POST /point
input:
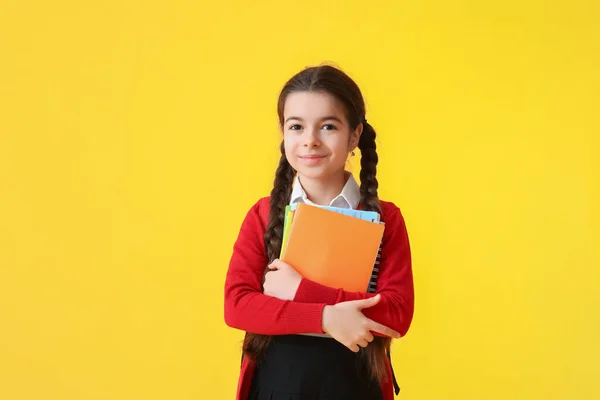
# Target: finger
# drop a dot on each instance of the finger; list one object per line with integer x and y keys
{"x": 354, "y": 348}
{"x": 384, "y": 330}
{"x": 370, "y": 302}
{"x": 276, "y": 264}
{"x": 369, "y": 337}
{"x": 363, "y": 343}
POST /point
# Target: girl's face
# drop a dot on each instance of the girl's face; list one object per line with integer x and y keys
{"x": 317, "y": 136}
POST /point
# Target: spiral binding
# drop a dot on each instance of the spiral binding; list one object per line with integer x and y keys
{"x": 372, "y": 288}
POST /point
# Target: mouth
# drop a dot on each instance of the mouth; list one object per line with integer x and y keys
{"x": 312, "y": 159}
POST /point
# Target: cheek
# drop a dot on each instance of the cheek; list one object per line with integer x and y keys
{"x": 341, "y": 148}
{"x": 292, "y": 141}
{"x": 288, "y": 146}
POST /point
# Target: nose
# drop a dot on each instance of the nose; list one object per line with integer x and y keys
{"x": 311, "y": 137}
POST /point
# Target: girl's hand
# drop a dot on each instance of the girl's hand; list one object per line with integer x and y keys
{"x": 281, "y": 281}
{"x": 346, "y": 323}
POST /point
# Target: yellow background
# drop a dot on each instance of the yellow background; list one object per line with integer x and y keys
{"x": 134, "y": 136}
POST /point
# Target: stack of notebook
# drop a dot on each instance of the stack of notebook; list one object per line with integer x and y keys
{"x": 336, "y": 247}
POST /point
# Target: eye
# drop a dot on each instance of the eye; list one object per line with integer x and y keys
{"x": 329, "y": 127}
{"x": 295, "y": 127}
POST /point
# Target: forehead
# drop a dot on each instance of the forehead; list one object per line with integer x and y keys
{"x": 312, "y": 105}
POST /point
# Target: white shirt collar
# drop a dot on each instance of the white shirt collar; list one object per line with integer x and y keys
{"x": 348, "y": 198}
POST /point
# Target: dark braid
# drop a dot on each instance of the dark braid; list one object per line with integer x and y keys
{"x": 368, "y": 169}
{"x": 255, "y": 344}
{"x": 280, "y": 197}
{"x": 377, "y": 350}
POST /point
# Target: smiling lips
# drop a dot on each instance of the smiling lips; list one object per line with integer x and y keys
{"x": 312, "y": 159}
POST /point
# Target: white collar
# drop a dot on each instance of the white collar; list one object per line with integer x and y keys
{"x": 348, "y": 198}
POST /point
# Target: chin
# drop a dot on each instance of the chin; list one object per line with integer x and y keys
{"x": 313, "y": 173}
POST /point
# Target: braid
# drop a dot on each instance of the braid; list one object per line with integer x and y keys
{"x": 375, "y": 353}
{"x": 282, "y": 189}
{"x": 255, "y": 344}
{"x": 368, "y": 170}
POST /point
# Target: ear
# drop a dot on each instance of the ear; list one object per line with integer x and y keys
{"x": 355, "y": 136}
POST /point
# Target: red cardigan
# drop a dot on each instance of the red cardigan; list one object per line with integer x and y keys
{"x": 248, "y": 309}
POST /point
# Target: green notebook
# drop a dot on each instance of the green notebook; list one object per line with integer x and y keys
{"x": 287, "y": 223}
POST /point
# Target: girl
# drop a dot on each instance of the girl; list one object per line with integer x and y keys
{"x": 322, "y": 117}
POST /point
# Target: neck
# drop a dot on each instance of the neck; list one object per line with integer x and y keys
{"x": 323, "y": 191}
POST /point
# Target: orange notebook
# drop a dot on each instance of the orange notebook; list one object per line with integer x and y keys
{"x": 333, "y": 249}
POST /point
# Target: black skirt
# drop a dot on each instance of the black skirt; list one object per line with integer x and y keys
{"x": 312, "y": 368}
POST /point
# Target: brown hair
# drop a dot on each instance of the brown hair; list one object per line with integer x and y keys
{"x": 333, "y": 81}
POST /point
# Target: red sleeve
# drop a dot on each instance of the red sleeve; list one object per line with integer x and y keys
{"x": 395, "y": 283}
{"x": 246, "y": 307}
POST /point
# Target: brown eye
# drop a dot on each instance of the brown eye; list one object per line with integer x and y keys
{"x": 295, "y": 127}
{"x": 329, "y": 127}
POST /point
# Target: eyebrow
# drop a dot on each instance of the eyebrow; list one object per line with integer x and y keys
{"x": 327, "y": 118}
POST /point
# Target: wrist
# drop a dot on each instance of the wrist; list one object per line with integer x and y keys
{"x": 325, "y": 318}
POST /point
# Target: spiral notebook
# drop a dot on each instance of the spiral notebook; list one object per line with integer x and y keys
{"x": 333, "y": 248}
